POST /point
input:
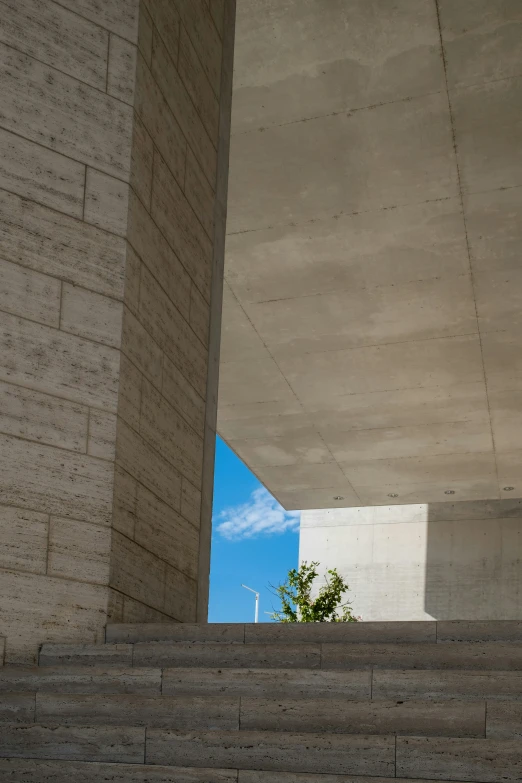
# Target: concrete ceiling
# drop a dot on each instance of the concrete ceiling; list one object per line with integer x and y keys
{"x": 373, "y": 304}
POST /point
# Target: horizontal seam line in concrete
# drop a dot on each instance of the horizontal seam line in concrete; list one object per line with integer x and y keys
{"x": 348, "y": 463}
{"x": 68, "y": 75}
{"x": 484, "y": 82}
{"x": 347, "y": 111}
{"x": 466, "y": 192}
{"x": 381, "y": 345}
{"x": 353, "y": 110}
{"x": 339, "y": 215}
{"x": 340, "y": 396}
{"x": 403, "y": 522}
{"x": 363, "y": 429}
{"x": 352, "y": 290}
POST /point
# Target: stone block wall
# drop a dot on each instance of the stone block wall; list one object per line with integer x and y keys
{"x": 114, "y": 132}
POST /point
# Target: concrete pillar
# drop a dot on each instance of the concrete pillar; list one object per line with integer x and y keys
{"x": 114, "y": 127}
{"x": 442, "y": 561}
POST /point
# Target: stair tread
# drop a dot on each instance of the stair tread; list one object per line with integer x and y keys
{"x": 62, "y": 771}
{"x": 253, "y": 704}
{"x": 371, "y": 632}
{"x": 442, "y": 758}
{"x": 380, "y": 684}
{"x": 472, "y": 655}
{"x": 81, "y": 679}
{"x": 444, "y": 718}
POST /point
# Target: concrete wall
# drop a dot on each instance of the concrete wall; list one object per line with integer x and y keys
{"x": 114, "y": 132}
{"x": 443, "y": 561}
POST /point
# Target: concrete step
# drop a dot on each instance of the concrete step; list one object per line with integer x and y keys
{"x": 274, "y": 633}
{"x": 119, "y": 744}
{"x": 291, "y": 633}
{"x": 80, "y": 679}
{"x": 46, "y": 754}
{"x": 164, "y": 654}
{"x": 431, "y": 758}
{"x": 353, "y": 684}
{"x": 285, "y": 751}
{"x": 450, "y": 718}
{"x": 293, "y": 683}
{"x": 486, "y": 656}
{"x": 38, "y": 771}
{"x": 336, "y": 715}
{"x": 440, "y": 684}
{"x": 35, "y": 771}
{"x": 181, "y": 712}
{"x": 435, "y": 758}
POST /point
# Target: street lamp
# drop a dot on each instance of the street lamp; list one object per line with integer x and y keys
{"x": 256, "y": 620}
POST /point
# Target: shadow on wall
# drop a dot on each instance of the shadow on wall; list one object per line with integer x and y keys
{"x": 474, "y": 560}
{"x": 443, "y": 561}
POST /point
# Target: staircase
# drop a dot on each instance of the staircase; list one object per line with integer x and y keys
{"x": 265, "y": 703}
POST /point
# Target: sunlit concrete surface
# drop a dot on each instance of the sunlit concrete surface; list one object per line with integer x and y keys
{"x": 442, "y": 561}
{"x": 372, "y": 318}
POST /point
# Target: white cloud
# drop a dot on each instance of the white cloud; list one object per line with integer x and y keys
{"x": 261, "y": 516}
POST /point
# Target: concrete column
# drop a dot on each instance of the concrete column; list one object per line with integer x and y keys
{"x": 114, "y": 126}
{"x": 442, "y": 561}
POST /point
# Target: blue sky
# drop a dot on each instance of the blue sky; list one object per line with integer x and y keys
{"x": 254, "y": 541}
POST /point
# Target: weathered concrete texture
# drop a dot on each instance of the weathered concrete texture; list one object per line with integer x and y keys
{"x": 274, "y": 751}
{"x": 112, "y": 204}
{"x": 445, "y": 561}
{"x": 274, "y": 683}
{"x": 372, "y": 310}
{"x": 183, "y": 712}
{"x": 32, "y": 771}
{"x": 109, "y": 679}
{"x": 396, "y": 684}
{"x": 332, "y": 715}
{"x": 491, "y": 761}
{"x": 81, "y": 743}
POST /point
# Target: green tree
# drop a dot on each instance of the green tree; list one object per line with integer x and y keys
{"x": 298, "y": 606}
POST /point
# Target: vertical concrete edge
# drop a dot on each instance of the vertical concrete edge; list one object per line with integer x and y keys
{"x": 218, "y": 264}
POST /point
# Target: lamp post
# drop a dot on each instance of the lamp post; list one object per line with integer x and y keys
{"x": 256, "y": 620}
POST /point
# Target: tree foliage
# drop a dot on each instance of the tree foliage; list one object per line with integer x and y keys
{"x": 298, "y": 606}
